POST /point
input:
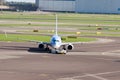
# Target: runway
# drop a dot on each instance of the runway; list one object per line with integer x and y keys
{"x": 92, "y": 61}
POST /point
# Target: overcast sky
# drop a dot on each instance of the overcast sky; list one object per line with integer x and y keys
{"x": 33, "y": 1}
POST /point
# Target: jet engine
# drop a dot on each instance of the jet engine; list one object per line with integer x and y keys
{"x": 70, "y": 47}
{"x": 41, "y": 46}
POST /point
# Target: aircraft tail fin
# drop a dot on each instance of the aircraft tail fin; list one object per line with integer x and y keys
{"x": 56, "y": 29}
{"x": 5, "y": 34}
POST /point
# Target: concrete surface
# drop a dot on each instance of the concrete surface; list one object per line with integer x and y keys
{"x": 94, "y": 61}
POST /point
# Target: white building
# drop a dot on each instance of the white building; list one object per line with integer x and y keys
{"x": 85, "y": 6}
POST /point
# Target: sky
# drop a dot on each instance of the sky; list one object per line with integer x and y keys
{"x": 33, "y": 1}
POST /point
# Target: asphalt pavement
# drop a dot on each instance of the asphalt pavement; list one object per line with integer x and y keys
{"x": 91, "y": 61}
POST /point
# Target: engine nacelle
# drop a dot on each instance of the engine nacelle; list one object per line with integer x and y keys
{"x": 41, "y": 46}
{"x": 70, "y": 47}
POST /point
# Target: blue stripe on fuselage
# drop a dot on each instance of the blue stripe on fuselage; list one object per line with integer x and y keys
{"x": 56, "y": 41}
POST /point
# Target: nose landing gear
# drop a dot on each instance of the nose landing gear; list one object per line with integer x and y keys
{"x": 58, "y": 51}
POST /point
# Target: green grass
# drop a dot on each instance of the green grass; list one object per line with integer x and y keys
{"x": 114, "y": 33}
{"x": 102, "y": 34}
{"x": 85, "y": 23}
{"x": 64, "y": 18}
{"x": 19, "y": 38}
{"x": 16, "y": 37}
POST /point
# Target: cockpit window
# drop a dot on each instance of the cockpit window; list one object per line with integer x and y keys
{"x": 56, "y": 40}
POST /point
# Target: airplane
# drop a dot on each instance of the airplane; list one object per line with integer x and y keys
{"x": 55, "y": 45}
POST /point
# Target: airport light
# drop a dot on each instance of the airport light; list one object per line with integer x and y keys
{"x": 78, "y": 33}
{"x": 98, "y": 33}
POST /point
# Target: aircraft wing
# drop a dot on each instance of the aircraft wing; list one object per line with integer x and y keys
{"x": 71, "y": 43}
{"x": 40, "y": 42}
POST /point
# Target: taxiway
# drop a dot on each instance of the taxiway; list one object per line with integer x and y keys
{"x": 92, "y": 61}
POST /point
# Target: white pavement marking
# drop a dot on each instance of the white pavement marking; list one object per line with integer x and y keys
{"x": 107, "y": 73}
{"x": 8, "y": 57}
{"x": 112, "y": 53}
{"x": 89, "y": 75}
{"x": 115, "y": 53}
{"x": 105, "y": 59}
{"x": 84, "y": 53}
{"x": 97, "y": 76}
{"x": 86, "y": 75}
{"x": 79, "y": 76}
{"x": 68, "y": 79}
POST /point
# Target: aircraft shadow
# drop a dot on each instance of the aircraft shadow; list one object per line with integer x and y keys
{"x": 13, "y": 48}
{"x": 31, "y": 49}
{"x": 21, "y": 48}
{"x": 37, "y": 50}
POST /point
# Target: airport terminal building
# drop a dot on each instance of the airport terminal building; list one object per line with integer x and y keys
{"x": 82, "y": 6}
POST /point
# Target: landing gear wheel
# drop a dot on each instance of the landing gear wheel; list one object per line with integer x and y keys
{"x": 47, "y": 49}
{"x": 56, "y": 52}
{"x": 50, "y": 51}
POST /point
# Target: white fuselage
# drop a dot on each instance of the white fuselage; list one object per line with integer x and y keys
{"x": 56, "y": 41}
